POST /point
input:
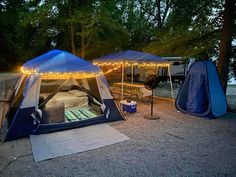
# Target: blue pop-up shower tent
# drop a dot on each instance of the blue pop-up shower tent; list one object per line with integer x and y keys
{"x": 59, "y": 91}
{"x": 201, "y": 93}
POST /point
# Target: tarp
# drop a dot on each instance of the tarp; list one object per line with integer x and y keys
{"x": 47, "y": 146}
{"x": 60, "y": 61}
{"x": 129, "y": 56}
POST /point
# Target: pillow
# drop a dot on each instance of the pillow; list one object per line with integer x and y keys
{"x": 51, "y": 103}
{"x": 56, "y": 113}
{"x": 77, "y": 93}
{"x": 65, "y": 88}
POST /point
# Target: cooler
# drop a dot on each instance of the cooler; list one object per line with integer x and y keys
{"x": 128, "y": 106}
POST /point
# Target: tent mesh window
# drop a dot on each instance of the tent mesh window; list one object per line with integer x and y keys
{"x": 68, "y": 101}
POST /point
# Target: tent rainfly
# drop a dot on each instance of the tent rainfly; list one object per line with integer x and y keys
{"x": 59, "y": 91}
{"x": 132, "y": 58}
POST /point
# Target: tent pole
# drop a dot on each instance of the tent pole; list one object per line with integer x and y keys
{"x": 132, "y": 74}
{"x": 122, "y": 86}
{"x": 157, "y": 71}
{"x": 171, "y": 86}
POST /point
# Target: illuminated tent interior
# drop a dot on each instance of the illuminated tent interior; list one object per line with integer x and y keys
{"x": 131, "y": 58}
{"x": 59, "y": 91}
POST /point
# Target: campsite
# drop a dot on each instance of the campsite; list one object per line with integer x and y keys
{"x": 176, "y": 144}
{"x": 118, "y": 88}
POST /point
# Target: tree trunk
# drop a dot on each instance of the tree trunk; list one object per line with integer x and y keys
{"x": 72, "y": 39}
{"x": 225, "y": 43}
{"x": 158, "y": 3}
{"x": 82, "y": 53}
{"x": 72, "y": 31}
{"x": 165, "y": 12}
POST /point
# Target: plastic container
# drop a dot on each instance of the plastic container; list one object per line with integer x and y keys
{"x": 128, "y": 106}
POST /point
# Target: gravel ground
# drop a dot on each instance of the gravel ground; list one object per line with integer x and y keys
{"x": 165, "y": 91}
{"x": 175, "y": 145}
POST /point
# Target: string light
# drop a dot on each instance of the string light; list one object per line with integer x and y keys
{"x": 111, "y": 70}
{"x": 68, "y": 75}
{"x": 25, "y": 71}
{"x": 116, "y": 64}
{"x": 57, "y": 75}
{"x": 78, "y": 75}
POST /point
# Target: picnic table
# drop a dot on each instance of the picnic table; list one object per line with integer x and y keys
{"x": 117, "y": 94}
{"x": 133, "y": 89}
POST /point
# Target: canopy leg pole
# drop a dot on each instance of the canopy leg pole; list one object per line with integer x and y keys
{"x": 171, "y": 86}
{"x": 122, "y": 86}
{"x": 132, "y": 74}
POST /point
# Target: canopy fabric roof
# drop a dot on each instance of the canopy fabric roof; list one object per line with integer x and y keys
{"x": 130, "y": 56}
{"x": 58, "y": 61}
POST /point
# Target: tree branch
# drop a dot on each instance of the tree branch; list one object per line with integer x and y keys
{"x": 146, "y": 11}
{"x": 165, "y": 12}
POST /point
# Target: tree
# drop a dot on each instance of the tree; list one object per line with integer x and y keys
{"x": 103, "y": 31}
{"x": 226, "y": 39}
{"x": 191, "y": 30}
{"x": 10, "y": 15}
{"x": 91, "y": 28}
{"x": 157, "y": 11}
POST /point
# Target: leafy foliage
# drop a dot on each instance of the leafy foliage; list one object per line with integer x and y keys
{"x": 192, "y": 30}
{"x": 96, "y": 27}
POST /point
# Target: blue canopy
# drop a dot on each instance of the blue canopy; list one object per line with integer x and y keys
{"x": 60, "y": 61}
{"x": 129, "y": 56}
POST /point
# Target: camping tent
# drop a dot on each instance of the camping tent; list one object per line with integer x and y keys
{"x": 201, "y": 93}
{"x": 59, "y": 91}
{"x": 132, "y": 58}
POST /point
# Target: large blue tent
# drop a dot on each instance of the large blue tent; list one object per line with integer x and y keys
{"x": 76, "y": 90}
{"x": 59, "y": 61}
{"x": 201, "y": 93}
